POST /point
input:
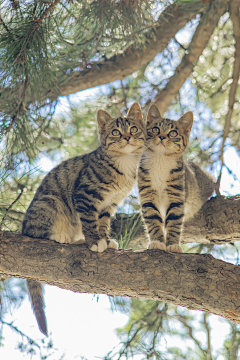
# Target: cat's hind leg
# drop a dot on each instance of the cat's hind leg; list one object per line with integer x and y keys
{"x": 154, "y": 225}
{"x": 173, "y": 226}
{"x": 62, "y": 231}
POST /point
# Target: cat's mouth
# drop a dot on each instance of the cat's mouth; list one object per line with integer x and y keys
{"x": 160, "y": 143}
{"x": 127, "y": 146}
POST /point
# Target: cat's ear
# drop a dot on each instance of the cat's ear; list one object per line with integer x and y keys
{"x": 135, "y": 112}
{"x": 102, "y": 118}
{"x": 153, "y": 114}
{"x": 186, "y": 122}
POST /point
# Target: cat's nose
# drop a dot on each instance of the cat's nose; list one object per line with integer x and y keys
{"x": 162, "y": 137}
{"x": 127, "y": 138}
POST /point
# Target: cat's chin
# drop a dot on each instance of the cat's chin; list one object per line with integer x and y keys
{"x": 160, "y": 149}
{"x": 127, "y": 149}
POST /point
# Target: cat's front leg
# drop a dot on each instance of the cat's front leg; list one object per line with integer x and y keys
{"x": 173, "y": 225}
{"x": 104, "y": 220}
{"x": 89, "y": 220}
{"x": 154, "y": 225}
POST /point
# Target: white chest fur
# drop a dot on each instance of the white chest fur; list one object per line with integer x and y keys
{"x": 127, "y": 165}
{"x": 159, "y": 167}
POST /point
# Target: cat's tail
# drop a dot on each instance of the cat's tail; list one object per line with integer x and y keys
{"x": 35, "y": 290}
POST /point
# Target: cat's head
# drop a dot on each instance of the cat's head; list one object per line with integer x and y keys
{"x": 166, "y": 136}
{"x": 122, "y": 135}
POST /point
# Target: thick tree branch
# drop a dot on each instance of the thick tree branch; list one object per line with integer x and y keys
{"x": 217, "y": 222}
{"x": 199, "y": 41}
{"x": 196, "y": 281}
{"x": 123, "y": 65}
{"x": 172, "y": 19}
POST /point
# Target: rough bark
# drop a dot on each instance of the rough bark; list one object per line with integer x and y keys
{"x": 172, "y": 19}
{"x": 218, "y": 222}
{"x": 196, "y": 281}
{"x": 199, "y": 41}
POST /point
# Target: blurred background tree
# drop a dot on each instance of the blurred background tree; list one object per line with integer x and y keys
{"x": 182, "y": 55}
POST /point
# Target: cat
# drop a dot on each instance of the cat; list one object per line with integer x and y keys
{"x": 76, "y": 200}
{"x": 171, "y": 190}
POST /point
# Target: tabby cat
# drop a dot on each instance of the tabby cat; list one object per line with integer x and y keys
{"x": 76, "y": 199}
{"x": 171, "y": 189}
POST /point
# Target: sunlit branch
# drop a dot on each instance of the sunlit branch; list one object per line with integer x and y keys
{"x": 234, "y": 15}
{"x": 190, "y": 280}
{"x": 120, "y": 66}
{"x": 213, "y": 224}
{"x": 199, "y": 41}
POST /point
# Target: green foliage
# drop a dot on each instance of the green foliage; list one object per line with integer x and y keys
{"x": 73, "y": 134}
{"x": 213, "y": 76}
{"x": 127, "y": 237}
{"x": 39, "y": 47}
{"x": 156, "y": 330}
{"x": 40, "y": 41}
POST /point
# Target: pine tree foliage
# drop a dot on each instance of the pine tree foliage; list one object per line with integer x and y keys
{"x": 47, "y": 45}
{"x": 40, "y": 39}
{"x": 155, "y": 330}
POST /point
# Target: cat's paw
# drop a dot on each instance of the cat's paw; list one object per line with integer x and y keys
{"x": 94, "y": 248}
{"x": 100, "y": 247}
{"x": 157, "y": 245}
{"x": 174, "y": 248}
{"x": 61, "y": 237}
{"x": 112, "y": 244}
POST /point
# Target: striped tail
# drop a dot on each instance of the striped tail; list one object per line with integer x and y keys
{"x": 36, "y": 295}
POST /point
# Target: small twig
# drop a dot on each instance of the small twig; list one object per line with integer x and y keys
{"x": 12, "y": 218}
{"x": 20, "y": 332}
{"x": 206, "y": 325}
{"x": 234, "y": 15}
{"x": 189, "y": 328}
{"x": 3, "y": 207}
{"x": 15, "y": 4}
{"x": 124, "y": 96}
{"x": 39, "y": 21}
{"x": 10, "y": 206}
{"x": 4, "y": 25}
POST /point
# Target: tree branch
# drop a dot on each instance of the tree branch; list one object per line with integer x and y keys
{"x": 216, "y": 223}
{"x": 195, "y": 281}
{"x": 234, "y": 14}
{"x": 123, "y": 65}
{"x": 199, "y": 41}
{"x": 119, "y": 66}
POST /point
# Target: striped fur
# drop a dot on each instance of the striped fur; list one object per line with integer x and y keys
{"x": 76, "y": 200}
{"x": 171, "y": 190}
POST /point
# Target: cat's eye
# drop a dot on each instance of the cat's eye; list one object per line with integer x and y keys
{"x": 173, "y": 133}
{"x": 155, "y": 130}
{"x": 133, "y": 129}
{"x": 116, "y": 132}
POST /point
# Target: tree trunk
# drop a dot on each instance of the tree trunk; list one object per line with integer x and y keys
{"x": 196, "y": 281}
